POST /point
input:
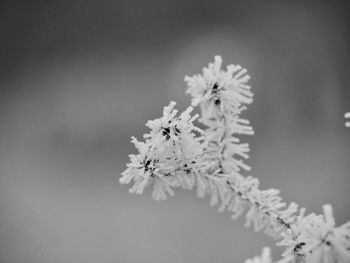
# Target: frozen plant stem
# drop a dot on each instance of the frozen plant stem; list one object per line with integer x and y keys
{"x": 176, "y": 153}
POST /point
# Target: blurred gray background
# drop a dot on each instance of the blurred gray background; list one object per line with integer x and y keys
{"x": 79, "y": 77}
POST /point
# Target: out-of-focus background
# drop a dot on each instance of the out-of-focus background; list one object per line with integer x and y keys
{"x": 79, "y": 77}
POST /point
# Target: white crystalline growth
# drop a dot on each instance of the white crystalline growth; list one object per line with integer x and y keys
{"x": 347, "y": 116}
{"x": 221, "y": 92}
{"x": 175, "y": 153}
{"x": 317, "y": 239}
{"x": 266, "y": 258}
{"x": 167, "y": 155}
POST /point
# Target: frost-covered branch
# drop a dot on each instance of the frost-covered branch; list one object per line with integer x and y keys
{"x": 222, "y": 96}
{"x": 176, "y": 153}
{"x": 317, "y": 239}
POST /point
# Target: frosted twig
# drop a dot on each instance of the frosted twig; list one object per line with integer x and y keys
{"x": 176, "y": 153}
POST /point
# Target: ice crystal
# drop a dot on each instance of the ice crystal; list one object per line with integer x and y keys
{"x": 165, "y": 158}
{"x": 317, "y": 239}
{"x": 266, "y": 258}
{"x": 221, "y": 93}
{"x": 347, "y": 116}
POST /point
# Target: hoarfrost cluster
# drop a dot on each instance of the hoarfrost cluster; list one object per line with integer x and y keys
{"x": 176, "y": 153}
